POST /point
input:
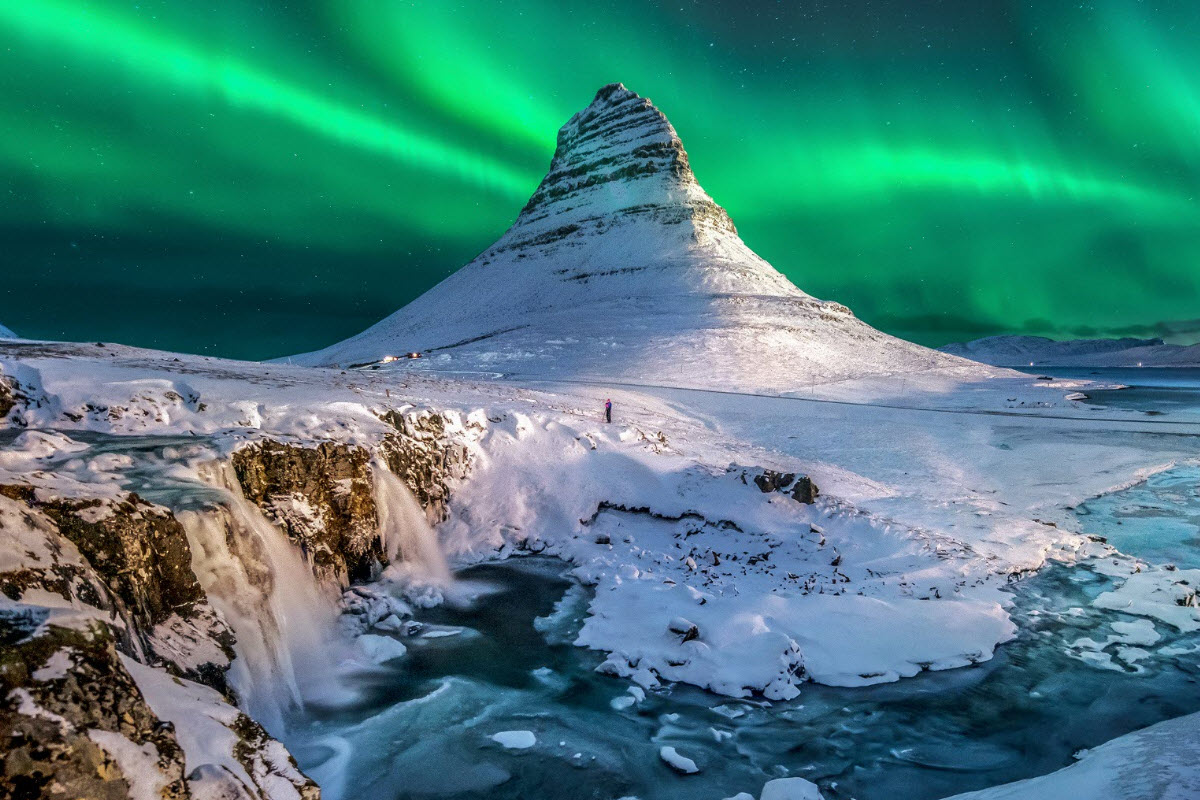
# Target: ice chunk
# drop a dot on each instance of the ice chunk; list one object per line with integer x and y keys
{"x": 514, "y": 740}
{"x": 390, "y": 623}
{"x": 1165, "y": 595}
{"x": 380, "y": 648}
{"x": 790, "y": 789}
{"x": 677, "y": 762}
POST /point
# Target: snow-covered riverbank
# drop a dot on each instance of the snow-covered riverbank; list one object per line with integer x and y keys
{"x": 703, "y": 565}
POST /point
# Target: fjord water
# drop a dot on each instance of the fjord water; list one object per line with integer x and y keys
{"x": 1153, "y": 391}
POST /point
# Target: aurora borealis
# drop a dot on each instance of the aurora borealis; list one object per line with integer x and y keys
{"x": 252, "y": 180}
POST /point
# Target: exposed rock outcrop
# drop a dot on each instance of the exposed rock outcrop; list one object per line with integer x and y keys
{"x": 803, "y": 488}
{"x": 7, "y": 397}
{"x": 423, "y": 457}
{"x": 133, "y": 561}
{"x": 321, "y": 496}
{"x": 12, "y": 396}
{"x": 75, "y": 724}
{"x": 772, "y": 481}
{"x": 98, "y": 588}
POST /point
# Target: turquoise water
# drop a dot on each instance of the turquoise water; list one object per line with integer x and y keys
{"x": 423, "y": 727}
{"x": 1158, "y": 520}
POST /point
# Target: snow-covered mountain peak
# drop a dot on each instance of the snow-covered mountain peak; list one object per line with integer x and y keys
{"x": 621, "y": 266}
{"x": 620, "y": 156}
{"x": 621, "y": 213}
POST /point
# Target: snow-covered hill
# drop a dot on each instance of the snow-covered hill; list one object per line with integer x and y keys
{"x": 7, "y": 333}
{"x": 1039, "y": 351}
{"x": 620, "y": 266}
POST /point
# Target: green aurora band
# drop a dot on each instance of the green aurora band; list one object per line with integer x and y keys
{"x": 252, "y": 181}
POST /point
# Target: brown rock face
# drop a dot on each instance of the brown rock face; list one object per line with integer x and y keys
{"x": 71, "y": 713}
{"x": 60, "y": 574}
{"x": 49, "y": 719}
{"x": 321, "y": 496}
{"x": 422, "y": 457}
{"x": 7, "y": 398}
{"x": 805, "y": 491}
{"x": 139, "y": 552}
{"x": 803, "y": 488}
{"x": 772, "y": 481}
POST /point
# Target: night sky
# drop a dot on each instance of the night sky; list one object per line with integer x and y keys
{"x": 254, "y": 179}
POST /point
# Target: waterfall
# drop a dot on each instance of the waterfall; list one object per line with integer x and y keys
{"x": 284, "y": 623}
{"x": 404, "y": 531}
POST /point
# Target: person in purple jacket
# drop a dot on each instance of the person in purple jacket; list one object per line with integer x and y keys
{"x": 608, "y": 410}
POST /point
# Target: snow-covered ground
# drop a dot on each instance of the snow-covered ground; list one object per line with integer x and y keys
{"x": 1017, "y": 351}
{"x": 930, "y": 502}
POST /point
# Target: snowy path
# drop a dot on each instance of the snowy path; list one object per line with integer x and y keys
{"x": 1187, "y": 427}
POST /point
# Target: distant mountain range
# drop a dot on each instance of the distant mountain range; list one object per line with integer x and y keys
{"x": 1015, "y": 351}
{"x": 621, "y": 266}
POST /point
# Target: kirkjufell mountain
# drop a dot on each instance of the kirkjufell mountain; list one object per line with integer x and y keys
{"x": 621, "y": 265}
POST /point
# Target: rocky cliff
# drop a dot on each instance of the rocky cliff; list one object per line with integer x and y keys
{"x": 107, "y": 636}
{"x": 322, "y": 494}
{"x": 74, "y": 722}
{"x": 93, "y": 588}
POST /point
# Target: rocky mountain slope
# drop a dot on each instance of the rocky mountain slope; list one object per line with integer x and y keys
{"x": 1039, "y": 351}
{"x": 621, "y": 266}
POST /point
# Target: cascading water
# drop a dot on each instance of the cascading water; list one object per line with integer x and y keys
{"x": 405, "y": 534}
{"x": 283, "y": 621}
